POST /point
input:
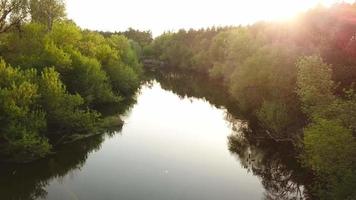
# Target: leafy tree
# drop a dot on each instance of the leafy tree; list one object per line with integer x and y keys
{"x": 143, "y": 38}
{"x": 47, "y": 11}
{"x": 328, "y": 141}
{"x": 61, "y": 74}
{"x": 34, "y": 106}
{"x": 259, "y": 65}
{"x": 64, "y": 113}
{"x": 22, "y": 121}
{"x": 274, "y": 115}
{"x": 87, "y": 78}
{"x": 330, "y": 151}
{"x": 315, "y": 87}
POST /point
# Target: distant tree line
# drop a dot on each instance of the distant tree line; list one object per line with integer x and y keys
{"x": 140, "y": 39}
{"x": 296, "y": 78}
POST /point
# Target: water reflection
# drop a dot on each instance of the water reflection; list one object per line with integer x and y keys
{"x": 169, "y": 152}
{"x": 275, "y": 163}
{"x": 187, "y": 85}
{"x": 30, "y": 180}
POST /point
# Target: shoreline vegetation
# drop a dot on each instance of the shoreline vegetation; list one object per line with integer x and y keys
{"x": 53, "y": 76}
{"x": 295, "y": 79}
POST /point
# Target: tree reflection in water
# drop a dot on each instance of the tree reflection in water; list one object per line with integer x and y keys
{"x": 275, "y": 163}
{"x": 28, "y": 181}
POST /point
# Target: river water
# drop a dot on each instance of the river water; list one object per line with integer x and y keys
{"x": 173, "y": 146}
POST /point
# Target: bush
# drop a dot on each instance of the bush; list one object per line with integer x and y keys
{"x": 34, "y": 105}
{"x": 22, "y": 121}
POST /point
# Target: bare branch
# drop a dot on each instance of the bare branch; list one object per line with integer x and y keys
{"x": 12, "y": 13}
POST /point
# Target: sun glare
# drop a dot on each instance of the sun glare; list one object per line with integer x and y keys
{"x": 163, "y": 15}
{"x": 284, "y": 10}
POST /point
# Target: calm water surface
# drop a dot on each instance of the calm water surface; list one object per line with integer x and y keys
{"x": 170, "y": 147}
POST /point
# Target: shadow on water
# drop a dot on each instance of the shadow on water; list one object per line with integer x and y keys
{"x": 275, "y": 163}
{"x": 28, "y": 181}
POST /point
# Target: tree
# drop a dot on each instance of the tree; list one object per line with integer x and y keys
{"x": 22, "y": 122}
{"x": 144, "y": 38}
{"x": 63, "y": 109}
{"x": 61, "y": 74}
{"x": 12, "y": 13}
{"x": 47, "y": 11}
{"x": 330, "y": 150}
{"x": 328, "y": 141}
{"x": 314, "y": 84}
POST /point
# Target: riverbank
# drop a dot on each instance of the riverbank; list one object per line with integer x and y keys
{"x": 107, "y": 124}
{"x": 182, "y": 133}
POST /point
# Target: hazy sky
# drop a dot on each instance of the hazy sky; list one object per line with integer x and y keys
{"x": 163, "y": 15}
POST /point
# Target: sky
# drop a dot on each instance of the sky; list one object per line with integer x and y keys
{"x": 171, "y": 15}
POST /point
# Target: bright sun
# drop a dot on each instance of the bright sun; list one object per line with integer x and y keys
{"x": 284, "y": 9}
{"x": 163, "y": 15}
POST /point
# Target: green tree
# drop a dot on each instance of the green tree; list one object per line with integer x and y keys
{"x": 143, "y": 38}
{"x": 47, "y": 11}
{"x": 315, "y": 86}
{"x": 330, "y": 151}
{"x": 22, "y": 120}
{"x": 329, "y": 142}
{"x": 64, "y": 113}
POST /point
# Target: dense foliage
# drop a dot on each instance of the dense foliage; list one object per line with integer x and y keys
{"x": 330, "y": 146}
{"x": 140, "y": 40}
{"x": 52, "y": 76}
{"x": 278, "y": 75}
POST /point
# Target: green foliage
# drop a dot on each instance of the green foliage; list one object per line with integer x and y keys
{"x": 29, "y": 147}
{"x": 63, "y": 113}
{"x": 315, "y": 87}
{"x": 34, "y": 106}
{"x": 268, "y": 71}
{"x": 117, "y": 58}
{"x": 159, "y": 45}
{"x": 229, "y": 50}
{"x": 330, "y": 150}
{"x": 88, "y": 79}
{"x": 143, "y": 38}
{"x": 47, "y": 11}
{"x": 275, "y": 116}
{"x": 329, "y": 146}
{"x": 259, "y": 65}
{"x": 329, "y": 142}
{"x": 21, "y": 120}
{"x": 65, "y": 35}
{"x": 26, "y": 49}
{"x": 85, "y": 60}
{"x": 122, "y": 78}
{"x": 26, "y": 101}
{"x": 60, "y": 72}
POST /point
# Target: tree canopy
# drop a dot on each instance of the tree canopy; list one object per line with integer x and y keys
{"x": 52, "y": 76}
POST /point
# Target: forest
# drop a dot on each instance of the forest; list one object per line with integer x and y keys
{"x": 295, "y": 78}
{"x": 54, "y": 75}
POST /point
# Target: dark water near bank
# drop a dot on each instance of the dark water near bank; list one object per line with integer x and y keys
{"x": 183, "y": 139}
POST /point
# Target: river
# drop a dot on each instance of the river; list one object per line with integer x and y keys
{"x": 174, "y": 145}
